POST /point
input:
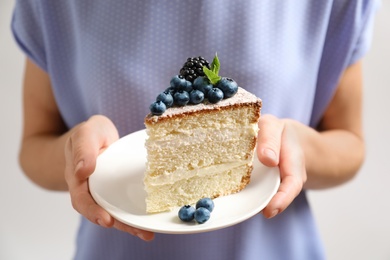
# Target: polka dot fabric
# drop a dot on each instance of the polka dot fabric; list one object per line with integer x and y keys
{"x": 114, "y": 58}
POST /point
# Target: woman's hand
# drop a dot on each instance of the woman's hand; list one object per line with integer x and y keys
{"x": 278, "y": 145}
{"x": 45, "y": 131}
{"x": 316, "y": 158}
{"x": 85, "y": 142}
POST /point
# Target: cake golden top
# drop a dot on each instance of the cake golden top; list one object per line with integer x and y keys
{"x": 240, "y": 99}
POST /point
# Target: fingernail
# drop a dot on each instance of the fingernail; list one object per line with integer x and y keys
{"x": 79, "y": 165}
{"x": 140, "y": 235}
{"x": 270, "y": 154}
{"x": 274, "y": 213}
{"x": 99, "y": 222}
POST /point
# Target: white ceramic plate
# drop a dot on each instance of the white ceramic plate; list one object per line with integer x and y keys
{"x": 117, "y": 186}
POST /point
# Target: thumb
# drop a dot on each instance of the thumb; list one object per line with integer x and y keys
{"x": 87, "y": 141}
{"x": 269, "y": 140}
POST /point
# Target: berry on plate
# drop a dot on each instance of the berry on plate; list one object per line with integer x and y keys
{"x": 186, "y": 213}
{"x": 202, "y": 215}
{"x": 205, "y": 203}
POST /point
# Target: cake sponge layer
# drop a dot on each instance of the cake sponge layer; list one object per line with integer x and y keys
{"x": 188, "y": 191}
{"x": 167, "y": 158}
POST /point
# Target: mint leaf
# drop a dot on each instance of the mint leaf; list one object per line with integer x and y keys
{"x": 211, "y": 75}
{"x": 215, "y": 65}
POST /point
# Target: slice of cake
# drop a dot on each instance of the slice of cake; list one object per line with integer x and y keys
{"x": 200, "y": 150}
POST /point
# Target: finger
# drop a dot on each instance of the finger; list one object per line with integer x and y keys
{"x": 81, "y": 151}
{"x": 81, "y": 199}
{"x": 88, "y": 141}
{"x": 288, "y": 190}
{"x": 292, "y": 173}
{"x": 85, "y": 148}
{"x": 142, "y": 234}
{"x": 269, "y": 140}
{"x": 83, "y": 203}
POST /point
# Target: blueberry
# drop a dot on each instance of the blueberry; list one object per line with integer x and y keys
{"x": 166, "y": 98}
{"x": 187, "y": 87}
{"x": 171, "y": 90}
{"x": 179, "y": 82}
{"x": 181, "y": 98}
{"x": 202, "y": 84}
{"x": 157, "y": 108}
{"x": 202, "y": 215}
{"x": 215, "y": 95}
{"x": 228, "y": 86}
{"x": 196, "y": 96}
{"x": 186, "y": 213}
{"x": 205, "y": 203}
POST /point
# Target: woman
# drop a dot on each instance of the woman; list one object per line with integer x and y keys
{"x": 93, "y": 67}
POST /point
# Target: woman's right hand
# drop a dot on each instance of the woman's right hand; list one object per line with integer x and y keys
{"x": 85, "y": 142}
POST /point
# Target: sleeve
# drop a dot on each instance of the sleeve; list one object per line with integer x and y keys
{"x": 364, "y": 23}
{"x": 27, "y": 28}
{"x": 347, "y": 41}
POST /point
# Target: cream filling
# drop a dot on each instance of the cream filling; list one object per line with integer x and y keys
{"x": 172, "y": 177}
{"x": 183, "y": 138}
{"x": 188, "y": 137}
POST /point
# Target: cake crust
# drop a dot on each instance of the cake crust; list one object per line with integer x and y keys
{"x": 241, "y": 99}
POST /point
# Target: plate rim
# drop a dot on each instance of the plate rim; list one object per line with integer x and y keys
{"x": 189, "y": 228}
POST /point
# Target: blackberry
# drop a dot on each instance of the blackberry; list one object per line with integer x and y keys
{"x": 193, "y": 68}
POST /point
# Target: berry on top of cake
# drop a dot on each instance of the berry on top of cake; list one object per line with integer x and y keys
{"x": 201, "y": 139}
{"x": 196, "y": 82}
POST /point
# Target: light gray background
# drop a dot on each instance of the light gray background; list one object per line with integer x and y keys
{"x": 354, "y": 219}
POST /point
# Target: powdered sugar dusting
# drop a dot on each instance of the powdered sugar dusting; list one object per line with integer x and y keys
{"x": 241, "y": 97}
